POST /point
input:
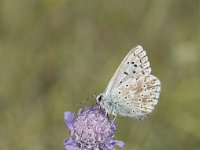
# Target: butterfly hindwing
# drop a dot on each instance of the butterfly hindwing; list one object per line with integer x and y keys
{"x": 137, "y": 96}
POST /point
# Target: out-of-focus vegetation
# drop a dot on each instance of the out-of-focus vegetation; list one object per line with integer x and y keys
{"x": 55, "y": 53}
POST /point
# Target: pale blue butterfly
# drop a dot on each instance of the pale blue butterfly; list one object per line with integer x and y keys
{"x": 132, "y": 91}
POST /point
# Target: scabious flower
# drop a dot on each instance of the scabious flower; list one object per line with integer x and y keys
{"x": 91, "y": 130}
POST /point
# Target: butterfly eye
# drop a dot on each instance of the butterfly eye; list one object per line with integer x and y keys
{"x": 99, "y": 98}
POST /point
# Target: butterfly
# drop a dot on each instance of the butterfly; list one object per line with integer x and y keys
{"x": 132, "y": 92}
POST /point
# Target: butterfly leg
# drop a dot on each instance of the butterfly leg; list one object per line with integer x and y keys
{"x": 115, "y": 116}
{"x": 106, "y": 112}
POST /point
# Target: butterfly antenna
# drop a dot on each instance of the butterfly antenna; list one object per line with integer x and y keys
{"x": 86, "y": 100}
{"x": 92, "y": 96}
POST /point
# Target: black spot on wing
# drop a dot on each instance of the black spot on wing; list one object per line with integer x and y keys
{"x": 126, "y": 73}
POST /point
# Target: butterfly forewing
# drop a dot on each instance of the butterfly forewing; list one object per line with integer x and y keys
{"x": 135, "y": 63}
{"x": 132, "y": 91}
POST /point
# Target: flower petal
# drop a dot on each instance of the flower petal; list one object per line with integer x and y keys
{"x": 113, "y": 127}
{"x": 69, "y": 119}
{"x": 108, "y": 146}
{"x": 119, "y": 143}
{"x": 70, "y": 144}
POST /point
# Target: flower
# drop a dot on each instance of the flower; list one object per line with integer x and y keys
{"x": 91, "y": 130}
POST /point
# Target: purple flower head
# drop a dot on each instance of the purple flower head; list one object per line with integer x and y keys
{"x": 91, "y": 130}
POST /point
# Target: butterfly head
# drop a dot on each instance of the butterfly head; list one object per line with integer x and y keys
{"x": 99, "y": 99}
{"x": 104, "y": 102}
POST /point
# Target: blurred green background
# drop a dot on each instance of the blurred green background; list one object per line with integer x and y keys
{"x": 55, "y": 53}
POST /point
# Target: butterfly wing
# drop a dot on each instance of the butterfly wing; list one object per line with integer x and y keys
{"x": 137, "y": 97}
{"x": 135, "y": 63}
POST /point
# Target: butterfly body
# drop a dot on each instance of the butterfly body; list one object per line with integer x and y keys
{"x": 132, "y": 91}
